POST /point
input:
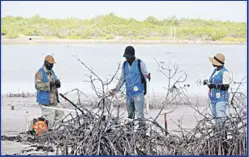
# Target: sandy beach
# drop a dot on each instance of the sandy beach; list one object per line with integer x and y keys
{"x": 14, "y": 122}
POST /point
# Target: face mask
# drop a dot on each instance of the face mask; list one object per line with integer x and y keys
{"x": 48, "y": 65}
{"x": 130, "y": 60}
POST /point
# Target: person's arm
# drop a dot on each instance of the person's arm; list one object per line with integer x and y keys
{"x": 39, "y": 84}
{"x": 144, "y": 70}
{"x": 225, "y": 82}
{"x": 121, "y": 80}
{"x": 226, "y": 78}
{"x": 219, "y": 86}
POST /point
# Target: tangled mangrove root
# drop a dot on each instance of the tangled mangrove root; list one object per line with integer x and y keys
{"x": 100, "y": 131}
{"x": 89, "y": 133}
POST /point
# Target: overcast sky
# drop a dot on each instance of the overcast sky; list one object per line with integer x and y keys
{"x": 229, "y": 10}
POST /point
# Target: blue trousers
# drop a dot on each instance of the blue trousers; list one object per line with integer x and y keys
{"x": 219, "y": 111}
{"x": 135, "y": 105}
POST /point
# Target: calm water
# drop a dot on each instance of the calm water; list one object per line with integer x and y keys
{"x": 20, "y": 63}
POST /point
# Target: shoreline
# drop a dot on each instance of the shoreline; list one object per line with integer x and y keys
{"x": 25, "y": 40}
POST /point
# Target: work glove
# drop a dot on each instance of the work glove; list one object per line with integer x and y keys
{"x": 57, "y": 83}
{"x": 205, "y": 82}
{"x": 210, "y": 86}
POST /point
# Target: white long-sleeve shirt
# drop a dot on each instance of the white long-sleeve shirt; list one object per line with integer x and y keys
{"x": 122, "y": 77}
{"x": 226, "y": 79}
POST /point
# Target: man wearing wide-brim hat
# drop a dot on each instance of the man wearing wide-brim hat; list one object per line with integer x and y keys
{"x": 47, "y": 84}
{"x": 218, "y": 85}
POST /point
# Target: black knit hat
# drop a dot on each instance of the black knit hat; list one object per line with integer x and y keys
{"x": 129, "y": 52}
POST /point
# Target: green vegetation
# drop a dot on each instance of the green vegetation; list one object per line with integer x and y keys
{"x": 111, "y": 26}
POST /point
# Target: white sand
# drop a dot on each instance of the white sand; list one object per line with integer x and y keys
{"x": 13, "y": 121}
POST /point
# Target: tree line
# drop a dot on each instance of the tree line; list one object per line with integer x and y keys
{"x": 111, "y": 26}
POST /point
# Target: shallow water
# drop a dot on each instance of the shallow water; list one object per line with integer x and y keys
{"x": 20, "y": 63}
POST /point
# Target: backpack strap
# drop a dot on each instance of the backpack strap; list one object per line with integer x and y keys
{"x": 142, "y": 77}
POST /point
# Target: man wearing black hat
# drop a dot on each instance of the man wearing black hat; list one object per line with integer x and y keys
{"x": 133, "y": 74}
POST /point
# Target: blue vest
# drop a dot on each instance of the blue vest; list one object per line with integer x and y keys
{"x": 133, "y": 81}
{"x": 217, "y": 95}
{"x": 43, "y": 97}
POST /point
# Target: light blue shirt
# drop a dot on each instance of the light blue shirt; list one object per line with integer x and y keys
{"x": 122, "y": 77}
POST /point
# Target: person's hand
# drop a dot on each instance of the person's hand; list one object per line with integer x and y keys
{"x": 148, "y": 76}
{"x": 205, "y": 82}
{"x": 57, "y": 83}
{"x": 113, "y": 91}
{"x": 52, "y": 84}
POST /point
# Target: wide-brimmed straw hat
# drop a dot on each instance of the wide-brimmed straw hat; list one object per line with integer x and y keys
{"x": 218, "y": 59}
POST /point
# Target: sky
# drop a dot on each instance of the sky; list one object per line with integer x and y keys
{"x": 140, "y": 10}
